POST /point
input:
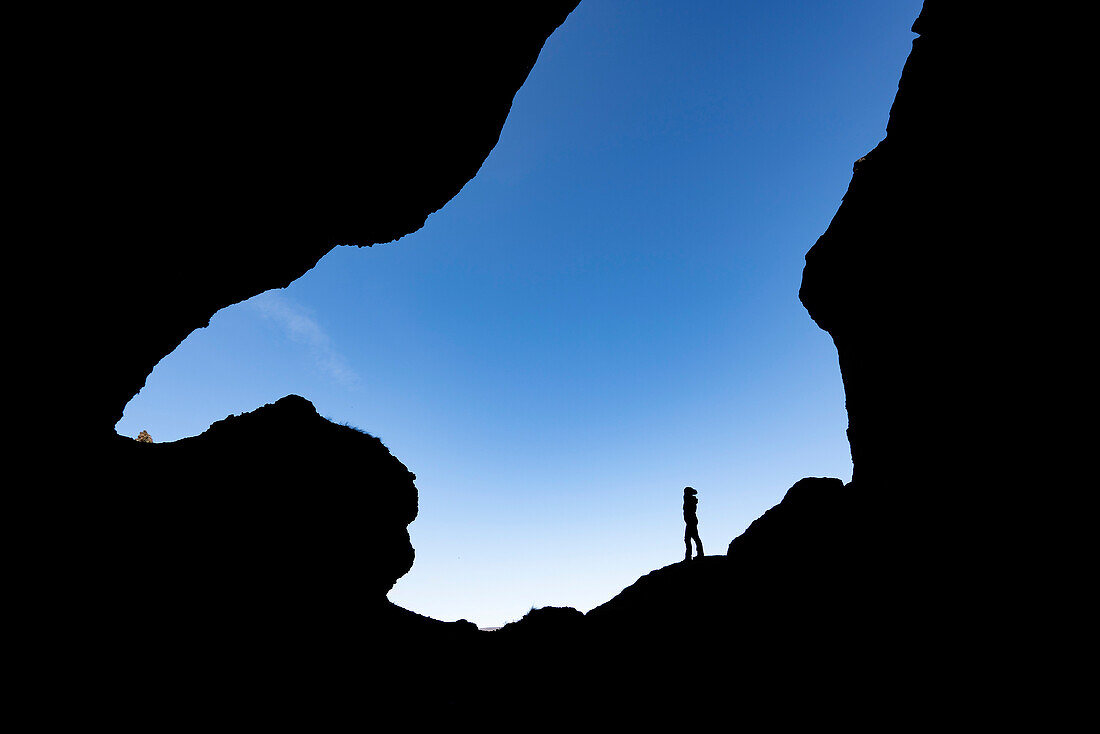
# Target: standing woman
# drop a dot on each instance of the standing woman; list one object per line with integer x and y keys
{"x": 691, "y": 502}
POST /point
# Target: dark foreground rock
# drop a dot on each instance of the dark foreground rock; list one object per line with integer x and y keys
{"x": 291, "y": 497}
{"x": 238, "y": 578}
{"x": 926, "y": 316}
{"x": 898, "y": 599}
{"x": 244, "y": 568}
{"x": 202, "y": 156}
{"x": 799, "y": 607}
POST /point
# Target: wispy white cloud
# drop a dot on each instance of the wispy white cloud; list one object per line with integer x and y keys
{"x": 300, "y": 327}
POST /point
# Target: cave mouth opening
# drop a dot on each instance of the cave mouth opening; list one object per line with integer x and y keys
{"x": 606, "y": 313}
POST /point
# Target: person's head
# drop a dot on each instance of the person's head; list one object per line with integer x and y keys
{"x": 689, "y": 490}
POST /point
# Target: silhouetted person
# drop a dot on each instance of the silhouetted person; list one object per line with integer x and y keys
{"x": 691, "y": 502}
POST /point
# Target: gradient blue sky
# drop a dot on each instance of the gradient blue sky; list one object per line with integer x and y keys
{"x": 608, "y": 312}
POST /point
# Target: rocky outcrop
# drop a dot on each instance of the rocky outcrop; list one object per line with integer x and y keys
{"x": 246, "y": 567}
{"x": 904, "y": 281}
{"x": 808, "y": 511}
{"x": 241, "y": 574}
{"x": 929, "y": 311}
{"x": 795, "y": 610}
{"x": 782, "y": 556}
{"x": 311, "y": 503}
{"x": 227, "y": 154}
{"x": 277, "y": 515}
{"x": 542, "y": 622}
{"x": 207, "y": 157}
{"x": 254, "y": 573}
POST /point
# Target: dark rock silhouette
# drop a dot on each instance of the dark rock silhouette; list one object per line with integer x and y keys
{"x": 316, "y": 498}
{"x": 904, "y": 283}
{"x": 243, "y": 572}
{"x": 217, "y": 157}
{"x": 808, "y": 511}
{"x": 797, "y": 608}
{"x": 231, "y": 154}
{"x": 254, "y": 558}
{"x": 556, "y": 622}
{"x": 899, "y": 279}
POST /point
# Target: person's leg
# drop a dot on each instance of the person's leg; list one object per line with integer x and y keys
{"x": 690, "y": 534}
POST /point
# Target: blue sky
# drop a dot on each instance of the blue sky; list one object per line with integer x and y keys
{"x": 608, "y": 312}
